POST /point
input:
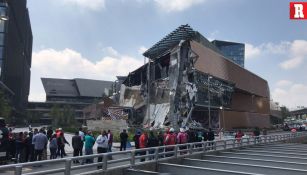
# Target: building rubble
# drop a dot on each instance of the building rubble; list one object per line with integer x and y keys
{"x": 169, "y": 90}
{"x": 188, "y": 81}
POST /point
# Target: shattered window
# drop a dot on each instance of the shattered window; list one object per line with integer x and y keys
{"x": 217, "y": 91}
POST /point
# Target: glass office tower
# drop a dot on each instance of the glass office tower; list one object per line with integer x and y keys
{"x": 15, "y": 53}
{"x": 3, "y": 22}
{"x": 231, "y": 50}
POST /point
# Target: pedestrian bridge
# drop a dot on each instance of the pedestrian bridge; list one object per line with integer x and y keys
{"x": 266, "y": 155}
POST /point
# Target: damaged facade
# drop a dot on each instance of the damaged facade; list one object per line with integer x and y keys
{"x": 189, "y": 82}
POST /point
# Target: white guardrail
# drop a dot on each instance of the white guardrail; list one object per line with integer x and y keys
{"x": 153, "y": 154}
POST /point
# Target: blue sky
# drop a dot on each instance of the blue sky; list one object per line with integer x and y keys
{"x": 100, "y": 39}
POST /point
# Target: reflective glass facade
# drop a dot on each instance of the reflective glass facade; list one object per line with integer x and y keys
{"x": 233, "y": 51}
{"x": 15, "y": 53}
{"x": 3, "y": 21}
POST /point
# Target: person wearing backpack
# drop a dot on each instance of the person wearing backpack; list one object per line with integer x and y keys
{"x": 182, "y": 138}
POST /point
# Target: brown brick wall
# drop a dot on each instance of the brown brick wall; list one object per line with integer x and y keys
{"x": 216, "y": 65}
{"x": 234, "y": 119}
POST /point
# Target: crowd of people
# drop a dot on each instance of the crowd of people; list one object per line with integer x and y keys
{"x": 33, "y": 145}
{"x": 26, "y": 146}
{"x": 148, "y": 139}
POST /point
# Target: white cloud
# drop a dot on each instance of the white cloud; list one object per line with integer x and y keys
{"x": 88, "y": 4}
{"x": 283, "y": 83}
{"x": 176, "y": 5}
{"x": 68, "y": 63}
{"x": 291, "y": 97}
{"x": 291, "y": 63}
{"x": 298, "y": 53}
{"x": 251, "y": 51}
{"x": 280, "y": 48}
{"x": 295, "y": 51}
{"x": 142, "y": 49}
{"x": 110, "y": 51}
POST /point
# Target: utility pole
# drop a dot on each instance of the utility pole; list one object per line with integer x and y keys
{"x": 209, "y": 105}
{"x": 148, "y": 90}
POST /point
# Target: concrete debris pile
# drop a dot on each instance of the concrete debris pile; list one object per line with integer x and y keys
{"x": 168, "y": 89}
{"x": 188, "y": 81}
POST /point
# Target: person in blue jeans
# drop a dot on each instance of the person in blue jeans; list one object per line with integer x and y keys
{"x": 53, "y": 146}
{"x": 89, "y": 142}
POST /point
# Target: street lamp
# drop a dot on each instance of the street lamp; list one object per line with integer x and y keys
{"x": 209, "y": 106}
{"x": 4, "y": 18}
{"x": 222, "y": 110}
{"x": 4, "y": 13}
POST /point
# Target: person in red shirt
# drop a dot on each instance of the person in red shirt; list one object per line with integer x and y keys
{"x": 143, "y": 144}
{"x": 165, "y": 134}
{"x": 182, "y": 138}
{"x": 239, "y": 136}
{"x": 170, "y": 139}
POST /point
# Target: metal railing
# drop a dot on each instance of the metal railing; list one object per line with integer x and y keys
{"x": 154, "y": 154}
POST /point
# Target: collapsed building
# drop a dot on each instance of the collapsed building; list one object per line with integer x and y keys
{"x": 188, "y": 81}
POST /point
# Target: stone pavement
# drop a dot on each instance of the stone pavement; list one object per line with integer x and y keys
{"x": 272, "y": 159}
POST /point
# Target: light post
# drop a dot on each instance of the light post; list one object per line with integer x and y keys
{"x": 222, "y": 110}
{"x": 4, "y": 18}
{"x": 148, "y": 90}
{"x": 209, "y": 105}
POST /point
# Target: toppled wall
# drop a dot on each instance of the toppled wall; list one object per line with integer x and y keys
{"x": 158, "y": 114}
{"x": 131, "y": 96}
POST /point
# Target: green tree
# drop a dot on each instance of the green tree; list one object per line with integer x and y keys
{"x": 63, "y": 116}
{"x": 68, "y": 116}
{"x": 5, "y": 107}
{"x": 33, "y": 117}
{"x": 57, "y": 116}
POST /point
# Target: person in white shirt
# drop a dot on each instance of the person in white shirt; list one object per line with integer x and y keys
{"x": 81, "y": 134}
{"x": 102, "y": 145}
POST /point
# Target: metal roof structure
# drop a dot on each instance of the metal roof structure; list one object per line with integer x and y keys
{"x": 75, "y": 87}
{"x": 60, "y": 87}
{"x": 183, "y": 32}
{"x": 93, "y": 88}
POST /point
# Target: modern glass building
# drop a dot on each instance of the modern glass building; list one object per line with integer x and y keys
{"x": 3, "y": 23}
{"x": 15, "y": 53}
{"x": 231, "y": 50}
